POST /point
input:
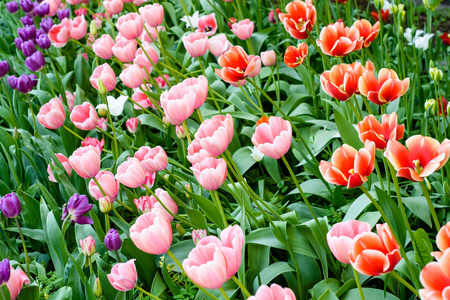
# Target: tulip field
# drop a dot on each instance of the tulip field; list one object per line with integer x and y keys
{"x": 224, "y": 149}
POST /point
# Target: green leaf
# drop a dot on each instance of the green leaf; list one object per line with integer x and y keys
{"x": 145, "y": 263}
{"x": 271, "y": 272}
{"x": 29, "y": 292}
{"x": 419, "y": 207}
{"x": 209, "y": 209}
{"x": 393, "y": 213}
{"x": 369, "y": 294}
{"x": 196, "y": 218}
{"x": 55, "y": 241}
{"x": 423, "y": 247}
{"x": 320, "y": 288}
{"x": 349, "y": 135}
{"x": 243, "y": 159}
{"x": 64, "y": 293}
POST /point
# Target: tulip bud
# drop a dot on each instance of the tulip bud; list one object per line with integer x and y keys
{"x": 166, "y": 177}
{"x": 401, "y": 7}
{"x": 431, "y": 64}
{"x": 198, "y": 234}
{"x": 397, "y": 49}
{"x": 436, "y": 74}
{"x": 105, "y": 204}
{"x": 98, "y": 288}
{"x": 93, "y": 28}
{"x": 403, "y": 15}
{"x": 379, "y": 4}
{"x": 181, "y": 133}
{"x": 400, "y": 31}
{"x": 429, "y": 107}
{"x": 256, "y": 154}
{"x": 428, "y": 184}
{"x": 180, "y": 230}
{"x": 15, "y": 133}
{"x": 164, "y": 120}
{"x": 10, "y": 205}
{"x": 101, "y": 87}
{"x": 394, "y": 9}
{"x": 188, "y": 187}
{"x": 88, "y": 246}
{"x": 102, "y": 111}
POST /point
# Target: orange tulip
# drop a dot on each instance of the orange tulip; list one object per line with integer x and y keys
{"x": 442, "y": 241}
{"x": 338, "y": 40}
{"x": 375, "y": 254}
{"x": 340, "y": 82}
{"x": 299, "y": 19}
{"x": 423, "y": 157}
{"x": 295, "y": 56}
{"x": 435, "y": 277}
{"x": 237, "y": 66}
{"x": 385, "y": 89}
{"x": 360, "y": 69}
{"x": 370, "y": 129}
{"x": 367, "y": 32}
{"x": 348, "y": 166}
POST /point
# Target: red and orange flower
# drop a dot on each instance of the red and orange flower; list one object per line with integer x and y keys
{"x": 295, "y": 56}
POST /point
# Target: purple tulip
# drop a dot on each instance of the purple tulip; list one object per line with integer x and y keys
{"x": 46, "y": 24}
{"x": 42, "y": 9}
{"x": 10, "y": 204}
{"x": 12, "y": 81}
{"x": 112, "y": 240}
{"x": 26, "y": 5}
{"x": 25, "y": 84}
{"x": 34, "y": 79}
{"x": 18, "y": 41}
{"x": 63, "y": 13}
{"x": 39, "y": 32}
{"x": 4, "y": 68}
{"x": 77, "y": 206}
{"x": 43, "y": 41}
{"x": 35, "y": 62}
{"x": 28, "y": 48}
{"x": 27, "y": 33}
{"x": 4, "y": 271}
{"x": 27, "y": 20}
{"x": 12, "y": 7}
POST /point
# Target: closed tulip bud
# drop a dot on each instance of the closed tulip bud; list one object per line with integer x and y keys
{"x": 428, "y": 184}
{"x": 112, "y": 240}
{"x": 429, "y": 107}
{"x": 93, "y": 28}
{"x": 400, "y": 31}
{"x": 180, "y": 230}
{"x": 102, "y": 111}
{"x": 10, "y": 205}
{"x": 189, "y": 189}
{"x": 88, "y": 246}
{"x": 198, "y": 234}
{"x": 15, "y": 133}
{"x": 98, "y": 288}
{"x": 101, "y": 87}
{"x": 379, "y": 4}
{"x": 394, "y": 9}
{"x": 403, "y": 15}
{"x": 166, "y": 177}
{"x": 105, "y": 204}
{"x": 181, "y": 133}
{"x": 436, "y": 74}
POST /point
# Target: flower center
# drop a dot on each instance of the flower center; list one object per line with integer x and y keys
{"x": 418, "y": 168}
{"x": 351, "y": 171}
{"x": 208, "y": 28}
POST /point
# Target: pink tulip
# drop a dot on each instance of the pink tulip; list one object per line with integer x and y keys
{"x": 109, "y": 185}
{"x": 93, "y": 142}
{"x": 198, "y": 234}
{"x": 152, "y": 159}
{"x": 106, "y": 74}
{"x": 149, "y": 180}
{"x": 153, "y": 31}
{"x": 123, "y": 276}
{"x": 52, "y": 115}
{"x": 132, "y": 76}
{"x": 200, "y": 87}
{"x": 153, "y": 14}
{"x": 70, "y": 100}
{"x": 152, "y": 233}
{"x": 66, "y": 164}
{"x": 16, "y": 280}
{"x": 178, "y": 103}
{"x": 219, "y": 44}
{"x": 269, "y": 58}
{"x": 113, "y": 7}
{"x": 103, "y": 46}
{"x": 102, "y": 124}
{"x": 86, "y": 161}
{"x": 141, "y": 98}
{"x": 273, "y": 136}
{"x": 207, "y": 24}
{"x": 243, "y": 29}
{"x": 139, "y": 2}
{"x": 84, "y": 116}
{"x": 73, "y": 2}
{"x": 87, "y": 246}
{"x": 210, "y": 173}
{"x": 196, "y": 44}
{"x": 212, "y": 262}
{"x": 131, "y": 173}
{"x": 342, "y": 236}
{"x": 143, "y": 54}
{"x": 215, "y": 134}
{"x": 60, "y": 34}
{"x": 274, "y": 292}
{"x": 78, "y": 28}
{"x": 54, "y": 6}
{"x": 162, "y": 82}
{"x": 150, "y": 203}
{"x": 196, "y": 153}
{"x": 132, "y": 124}
{"x": 130, "y": 25}
{"x": 125, "y": 50}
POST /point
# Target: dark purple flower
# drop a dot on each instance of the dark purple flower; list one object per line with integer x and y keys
{"x": 43, "y": 41}
{"x": 27, "y": 20}
{"x": 39, "y": 32}
{"x": 28, "y": 48}
{"x": 42, "y": 9}
{"x": 35, "y": 62}
{"x": 10, "y": 205}
{"x": 26, "y": 5}
{"x": 112, "y": 240}
{"x": 12, "y": 7}
{"x": 77, "y": 206}
{"x": 27, "y": 33}
{"x": 12, "y": 81}
{"x": 4, "y": 271}
{"x": 46, "y": 24}
{"x": 34, "y": 79}
{"x": 4, "y": 68}
{"x": 25, "y": 84}
{"x": 18, "y": 41}
{"x": 63, "y": 13}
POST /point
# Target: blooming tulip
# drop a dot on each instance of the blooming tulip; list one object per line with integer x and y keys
{"x": 152, "y": 159}
{"x": 342, "y": 236}
{"x": 35, "y": 62}
{"x": 151, "y": 203}
{"x": 348, "y": 166}
{"x": 442, "y": 241}
{"x": 149, "y": 180}
{"x": 86, "y": 161}
{"x": 10, "y": 205}
{"x": 78, "y": 28}
{"x": 338, "y": 40}
{"x": 219, "y": 44}
{"x": 106, "y": 74}
{"x": 84, "y": 116}
{"x": 360, "y": 69}
{"x": 103, "y": 46}
{"x": 113, "y": 7}
{"x": 123, "y": 276}
{"x": 66, "y": 164}
{"x": 16, "y": 280}
{"x": 370, "y": 129}
{"x": 112, "y": 240}
{"x": 295, "y": 56}
{"x": 367, "y": 32}
{"x": 178, "y": 103}
{"x": 375, "y": 254}
{"x": 423, "y": 157}
{"x": 269, "y": 58}
{"x": 237, "y": 66}
{"x": 125, "y": 50}
{"x": 12, "y": 7}
{"x": 436, "y": 279}
{"x": 132, "y": 76}
{"x": 52, "y": 115}
{"x": 196, "y": 44}
{"x": 384, "y": 15}
{"x": 243, "y": 29}
{"x": 131, "y": 173}
{"x": 93, "y": 142}
{"x": 150, "y": 34}
{"x": 274, "y": 292}
{"x": 273, "y": 136}
{"x": 196, "y": 153}
{"x": 207, "y": 24}
{"x": 152, "y": 233}
{"x": 153, "y": 14}
{"x": 215, "y": 134}
{"x": 4, "y": 68}
{"x": 60, "y": 34}
{"x": 28, "y": 48}
{"x": 109, "y": 185}
{"x": 299, "y": 19}
{"x": 130, "y": 25}
{"x": 210, "y": 173}
{"x": 5, "y": 270}
{"x": 76, "y": 207}
{"x": 25, "y": 84}
{"x": 340, "y": 82}
{"x": 141, "y": 99}
{"x": 88, "y": 246}
{"x": 384, "y": 90}
{"x": 146, "y": 56}
{"x": 70, "y": 100}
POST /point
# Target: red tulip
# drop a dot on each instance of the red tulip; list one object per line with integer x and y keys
{"x": 367, "y": 32}
{"x": 237, "y": 66}
{"x": 295, "y": 56}
{"x": 299, "y": 19}
{"x": 384, "y": 15}
{"x": 370, "y": 129}
{"x": 445, "y": 38}
{"x": 340, "y": 82}
{"x": 338, "y": 40}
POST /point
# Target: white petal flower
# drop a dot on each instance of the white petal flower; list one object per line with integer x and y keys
{"x": 422, "y": 42}
{"x": 116, "y": 105}
{"x": 191, "y": 20}
{"x": 256, "y": 154}
{"x": 408, "y": 35}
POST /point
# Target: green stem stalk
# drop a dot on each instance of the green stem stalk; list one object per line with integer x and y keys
{"x": 27, "y": 258}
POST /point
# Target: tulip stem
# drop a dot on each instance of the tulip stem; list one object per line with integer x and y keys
{"x": 116, "y": 153}
{"x": 72, "y": 132}
{"x": 405, "y": 283}
{"x": 188, "y": 135}
{"x": 222, "y": 291}
{"x": 91, "y": 269}
{"x": 380, "y": 177}
{"x": 216, "y": 199}
{"x": 241, "y": 286}
{"x": 430, "y": 205}
{"x": 251, "y": 101}
{"x": 117, "y": 256}
{"x": 107, "y": 223}
{"x": 358, "y": 283}
{"x": 27, "y": 259}
{"x": 145, "y": 292}
{"x": 117, "y": 214}
{"x": 32, "y": 112}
